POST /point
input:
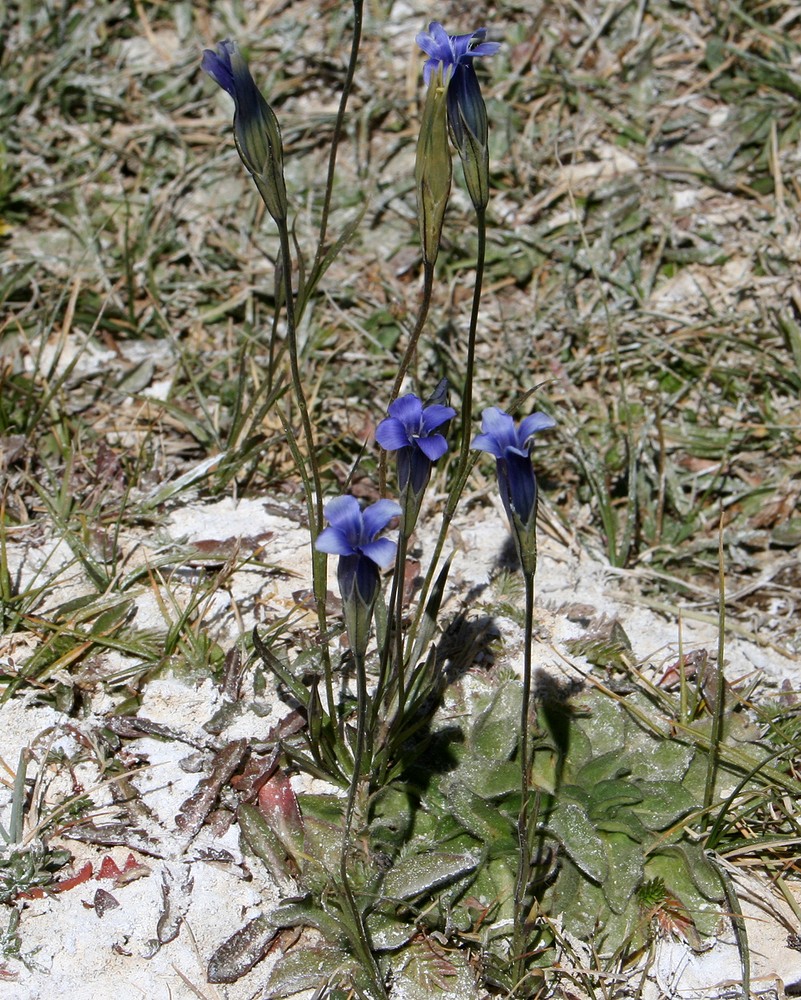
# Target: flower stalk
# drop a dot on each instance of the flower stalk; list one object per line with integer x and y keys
{"x": 413, "y": 430}
{"x": 258, "y": 142}
{"x": 352, "y": 534}
{"x": 510, "y": 444}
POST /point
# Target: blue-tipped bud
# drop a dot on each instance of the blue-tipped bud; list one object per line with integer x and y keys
{"x": 453, "y": 55}
{"x": 256, "y": 131}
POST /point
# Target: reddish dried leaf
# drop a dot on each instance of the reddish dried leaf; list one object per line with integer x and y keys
{"x": 279, "y": 806}
{"x": 109, "y": 868}
{"x": 69, "y": 883}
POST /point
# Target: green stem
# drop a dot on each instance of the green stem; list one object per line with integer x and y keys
{"x": 467, "y": 393}
{"x": 383, "y": 690}
{"x": 314, "y": 504}
{"x": 523, "y": 838}
{"x": 358, "y": 9}
{"x": 361, "y": 939}
{"x": 717, "y": 708}
{"x": 422, "y": 314}
{"x": 403, "y": 543}
{"x": 465, "y": 463}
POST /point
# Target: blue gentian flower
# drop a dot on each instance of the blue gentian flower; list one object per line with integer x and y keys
{"x": 352, "y": 535}
{"x": 511, "y": 446}
{"x": 452, "y": 52}
{"x": 411, "y": 431}
{"x": 256, "y": 130}
{"x": 467, "y": 114}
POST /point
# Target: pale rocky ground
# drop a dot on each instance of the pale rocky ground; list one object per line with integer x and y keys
{"x": 84, "y": 945}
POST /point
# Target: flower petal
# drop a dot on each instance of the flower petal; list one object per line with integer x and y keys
{"x": 531, "y": 425}
{"x": 436, "y": 43}
{"x": 381, "y": 552}
{"x": 433, "y": 447}
{"x": 344, "y": 514}
{"x": 461, "y": 43}
{"x": 499, "y": 425}
{"x": 218, "y": 66}
{"x": 334, "y": 542}
{"x": 377, "y": 516}
{"x": 485, "y": 48}
{"x": 522, "y": 486}
{"x": 392, "y": 435}
{"x": 486, "y": 442}
{"x": 408, "y": 409}
{"x": 435, "y": 415}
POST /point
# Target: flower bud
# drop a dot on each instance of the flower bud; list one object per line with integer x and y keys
{"x": 256, "y": 131}
{"x": 433, "y": 170}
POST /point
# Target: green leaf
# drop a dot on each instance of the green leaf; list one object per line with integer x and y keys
{"x": 237, "y": 956}
{"x": 388, "y": 932}
{"x": 600, "y": 768}
{"x": 607, "y": 797}
{"x": 483, "y": 820}
{"x": 702, "y": 871}
{"x": 491, "y": 780}
{"x": 626, "y": 866}
{"x": 580, "y": 902}
{"x": 572, "y": 826}
{"x": 293, "y": 684}
{"x": 606, "y": 725}
{"x": 663, "y": 803}
{"x": 307, "y": 969}
{"x": 656, "y": 760}
{"x": 263, "y": 842}
{"x": 494, "y": 735}
{"x": 673, "y": 865}
{"x": 422, "y": 872}
{"x": 306, "y": 913}
{"x": 428, "y": 626}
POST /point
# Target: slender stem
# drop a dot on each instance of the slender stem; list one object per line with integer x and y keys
{"x": 467, "y": 392}
{"x": 383, "y": 688}
{"x": 358, "y": 8}
{"x": 314, "y": 504}
{"x": 361, "y": 942}
{"x": 524, "y": 842}
{"x": 465, "y": 464}
{"x": 403, "y": 543}
{"x": 719, "y": 700}
{"x": 422, "y": 314}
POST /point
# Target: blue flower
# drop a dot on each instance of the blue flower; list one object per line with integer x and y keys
{"x": 256, "y": 130}
{"x": 452, "y": 52}
{"x": 410, "y": 430}
{"x": 511, "y": 446}
{"x": 351, "y": 535}
{"x": 467, "y": 114}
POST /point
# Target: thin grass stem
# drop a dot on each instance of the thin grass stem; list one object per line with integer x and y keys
{"x": 361, "y": 941}
{"x": 720, "y": 686}
{"x": 397, "y": 611}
